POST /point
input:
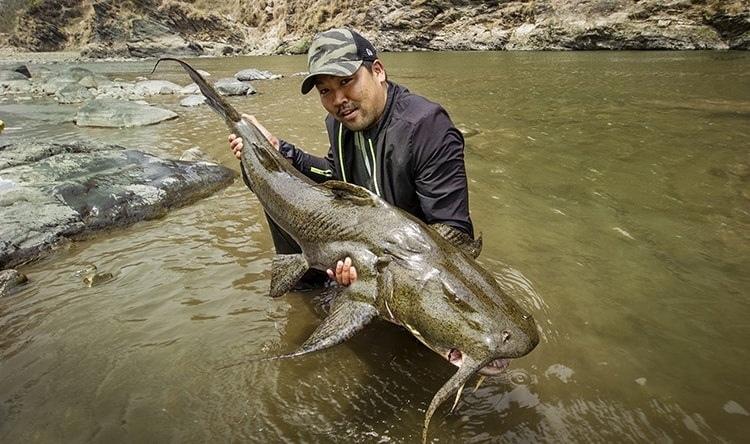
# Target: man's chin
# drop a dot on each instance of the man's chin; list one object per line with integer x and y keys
{"x": 356, "y": 124}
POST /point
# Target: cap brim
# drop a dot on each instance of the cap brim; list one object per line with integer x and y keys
{"x": 333, "y": 70}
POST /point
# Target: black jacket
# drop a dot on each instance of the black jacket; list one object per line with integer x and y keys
{"x": 420, "y": 159}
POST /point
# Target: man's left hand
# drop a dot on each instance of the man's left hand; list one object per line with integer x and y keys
{"x": 345, "y": 274}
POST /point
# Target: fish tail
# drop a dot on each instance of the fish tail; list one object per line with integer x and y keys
{"x": 213, "y": 98}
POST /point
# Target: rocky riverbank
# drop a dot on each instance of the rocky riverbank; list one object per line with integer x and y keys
{"x": 150, "y": 28}
{"x": 50, "y": 192}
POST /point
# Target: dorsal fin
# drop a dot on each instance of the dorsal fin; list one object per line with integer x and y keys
{"x": 459, "y": 239}
{"x": 353, "y": 193}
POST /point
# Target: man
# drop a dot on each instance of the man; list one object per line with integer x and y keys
{"x": 398, "y": 145}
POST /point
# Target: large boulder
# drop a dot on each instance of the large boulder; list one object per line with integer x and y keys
{"x": 52, "y": 192}
{"x": 112, "y": 113}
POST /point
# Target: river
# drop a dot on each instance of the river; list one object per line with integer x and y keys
{"x": 612, "y": 190}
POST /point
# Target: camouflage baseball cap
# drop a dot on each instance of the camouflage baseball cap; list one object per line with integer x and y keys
{"x": 338, "y": 52}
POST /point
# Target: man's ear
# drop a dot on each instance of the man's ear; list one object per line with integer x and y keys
{"x": 379, "y": 70}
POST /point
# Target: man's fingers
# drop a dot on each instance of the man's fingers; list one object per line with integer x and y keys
{"x": 353, "y": 274}
{"x": 331, "y": 274}
{"x": 345, "y": 279}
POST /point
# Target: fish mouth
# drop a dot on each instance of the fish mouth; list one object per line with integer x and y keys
{"x": 493, "y": 368}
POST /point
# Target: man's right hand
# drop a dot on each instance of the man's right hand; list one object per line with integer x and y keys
{"x": 235, "y": 143}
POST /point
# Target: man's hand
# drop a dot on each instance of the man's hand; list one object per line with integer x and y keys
{"x": 235, "y": 143}
{"x": 345, "y": 274}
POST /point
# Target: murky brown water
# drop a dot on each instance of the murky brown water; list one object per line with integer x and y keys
{"x": 613, "y": 192}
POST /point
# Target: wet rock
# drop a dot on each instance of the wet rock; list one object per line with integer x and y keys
{"x": 47, "y": 113}
{"x": 156, "y": 87}
{"x": 91, "y": 276}
{"x": 233, "y": 87}
{"x": 55, "y": 84}
{"x": 10, "y": 280}
{"x": 19, "y": 68}
{"x": 195, "y": 154}
{"x": 191, "y": 101}
{"x": 73, "y": 93}
{"x": 190, "y": 89}
{"x": 52, "y": 192}
{"x": 12, "y": 75}
{"x": 254, "y": 74}
{"x": 112, "y": 113}
{"x": 15, "y": 86}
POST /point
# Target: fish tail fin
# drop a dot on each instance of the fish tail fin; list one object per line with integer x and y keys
{"x": 213, "y": 98}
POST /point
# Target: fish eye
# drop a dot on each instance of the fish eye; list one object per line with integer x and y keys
{"x": 450, "y": 294}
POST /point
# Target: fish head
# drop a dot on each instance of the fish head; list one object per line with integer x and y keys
{"x": 458, "y": 310}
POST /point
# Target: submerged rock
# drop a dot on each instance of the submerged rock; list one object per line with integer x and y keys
{"x": 52, "y": 192}
{"x": 10, "y": 280}
{"x": 112, "y": 113}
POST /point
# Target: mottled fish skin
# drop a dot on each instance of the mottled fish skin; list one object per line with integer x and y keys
{"x": 409, "y": 274}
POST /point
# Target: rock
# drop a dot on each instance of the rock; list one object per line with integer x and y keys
{"x": 155, "y": 87}
{"x": 55, "y": 84}
{"x": 116, "y": 90}
{"x": 91, "y": 276}
{"x": 52, "y": 192}
{"x": 150, "y": 39}
{"x": 10, "y": 280}
{"x": 54, "y": 114}
{"x": 19, "y": 68}
{"x": 2, "y": 126}
{"x": 12, "y": 75}
{"x": 233, "y": 87}
{"x": 254, "y": 74}
{"x": 196, "y": 154}
{"x": 113, "y": 113}
{"x": 194, "y": 100}
{"x": 73, "y": 93}
{"x": 15, "y": 86}
{"x": 190, "y": 89}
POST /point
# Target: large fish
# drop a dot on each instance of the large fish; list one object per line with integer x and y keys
{"x": 408, "y": 273}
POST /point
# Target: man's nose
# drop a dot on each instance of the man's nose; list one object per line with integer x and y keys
{"x": 339, "y": 98}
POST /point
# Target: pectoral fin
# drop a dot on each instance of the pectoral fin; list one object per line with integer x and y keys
{"x": 286, "y": 271}
{"x": 348, "y": 316}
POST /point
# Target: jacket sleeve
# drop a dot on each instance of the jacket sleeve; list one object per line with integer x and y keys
{"x": 319, "y": 169}
{"x": 439, "y": 171}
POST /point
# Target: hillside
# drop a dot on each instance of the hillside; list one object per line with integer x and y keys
{"x": 146, "y": 28}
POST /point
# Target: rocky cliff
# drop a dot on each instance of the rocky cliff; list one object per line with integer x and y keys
{"x": 145, "y": 28}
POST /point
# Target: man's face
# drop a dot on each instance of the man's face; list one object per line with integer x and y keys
{"x": 357, "y": 101}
